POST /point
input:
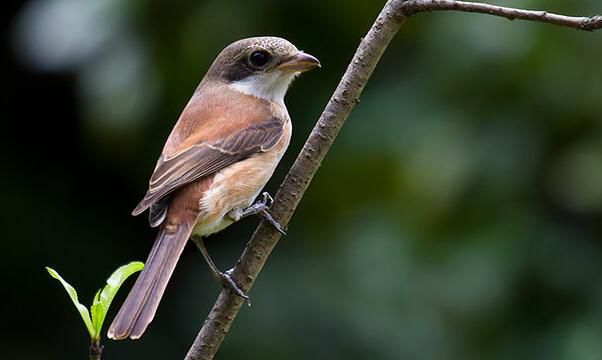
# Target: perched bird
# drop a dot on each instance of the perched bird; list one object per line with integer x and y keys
{"x": 220, "y": 154}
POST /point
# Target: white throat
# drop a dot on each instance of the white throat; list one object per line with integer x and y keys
{"x": 270, "y": 86}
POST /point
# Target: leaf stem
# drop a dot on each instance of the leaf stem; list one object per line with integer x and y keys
{"x": 95, "y": 349}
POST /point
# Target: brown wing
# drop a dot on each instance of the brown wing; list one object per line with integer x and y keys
{"x": 205, "y": 158}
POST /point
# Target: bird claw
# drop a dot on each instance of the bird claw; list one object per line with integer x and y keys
{"x": 267, "y": 200}
{"x": 265, "y": 215}
{"x": 225, "y": 279}
{"x": 260, "y": 208}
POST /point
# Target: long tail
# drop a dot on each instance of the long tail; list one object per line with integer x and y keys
{"x": 141, "y": 304}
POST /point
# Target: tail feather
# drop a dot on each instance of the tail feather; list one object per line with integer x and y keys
{"x": 141, "y": 303}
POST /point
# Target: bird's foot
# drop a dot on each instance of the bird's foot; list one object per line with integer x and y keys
{"x": 261, "y": 208}
{"x": 260, "y": 205}
{"x": 265, "y": 215}
{"x": 225, "y": 279}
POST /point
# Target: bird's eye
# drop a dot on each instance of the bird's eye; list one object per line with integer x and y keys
{"x": 259, "y": 58}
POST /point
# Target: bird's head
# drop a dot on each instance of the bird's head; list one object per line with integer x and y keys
{"x": 261, "y": 66}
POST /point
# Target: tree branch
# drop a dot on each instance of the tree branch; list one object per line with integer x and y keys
{"x": 411, "y": 7}
{"x": 345, "y": 97}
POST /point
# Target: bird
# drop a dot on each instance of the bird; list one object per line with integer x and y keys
{"x": 220, "y": 154}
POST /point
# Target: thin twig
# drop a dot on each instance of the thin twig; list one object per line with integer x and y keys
{"x": 345, "y": 97}
{"x": 411, "y": 7}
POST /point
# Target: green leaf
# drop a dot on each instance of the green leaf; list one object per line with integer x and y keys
{"x": 97, "y": 311}
{"x": 103, "y": 298}
{"x": 83, "y": 311}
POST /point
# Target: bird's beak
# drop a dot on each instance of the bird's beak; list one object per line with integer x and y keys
{"x": 299, "y": 63}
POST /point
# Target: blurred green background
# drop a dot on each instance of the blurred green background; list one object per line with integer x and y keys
{"x": 458, "y": 215}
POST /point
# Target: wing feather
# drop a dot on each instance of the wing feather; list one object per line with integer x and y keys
{"x": 206, "y": 158}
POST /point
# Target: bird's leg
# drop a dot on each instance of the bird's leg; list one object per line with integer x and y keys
{"x": 260, "y": 208}
{"x": 223, "y": 277}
